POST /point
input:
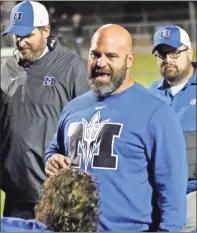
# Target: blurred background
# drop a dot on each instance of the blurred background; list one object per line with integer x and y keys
{"x": 75, "y": 22}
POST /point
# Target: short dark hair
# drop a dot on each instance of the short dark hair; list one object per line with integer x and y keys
{"x": 69, "y": 202}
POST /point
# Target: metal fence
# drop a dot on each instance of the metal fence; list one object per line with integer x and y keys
{"x": 142, "y": 32}
{"x": 142, "y": 35}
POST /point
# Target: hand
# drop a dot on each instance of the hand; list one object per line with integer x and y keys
{"x": 55, "y": 163}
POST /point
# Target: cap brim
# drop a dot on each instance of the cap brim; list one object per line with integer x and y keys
{"x": 18, "y": 30}
{"x": 175, "y": 44}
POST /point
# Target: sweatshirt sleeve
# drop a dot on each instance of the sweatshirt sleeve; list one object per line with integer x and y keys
{"x": 80, "y": 77}
{"x": 167, "y": 152}
{"x": 57, "y": 143}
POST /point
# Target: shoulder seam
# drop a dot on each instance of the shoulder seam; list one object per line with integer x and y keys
{"x": 156, "y": 109}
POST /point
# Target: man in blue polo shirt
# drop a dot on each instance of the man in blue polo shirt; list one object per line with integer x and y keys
{"x": 173, "y": 51}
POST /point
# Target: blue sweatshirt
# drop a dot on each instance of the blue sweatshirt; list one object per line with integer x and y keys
{"x": 9, "y": 224}
{"x": 135, "y": 147}
{"x": 184, "y": 106}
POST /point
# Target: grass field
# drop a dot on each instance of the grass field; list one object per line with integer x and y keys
{"x": 144, "y": 71}
{"x": 2, "y": 202}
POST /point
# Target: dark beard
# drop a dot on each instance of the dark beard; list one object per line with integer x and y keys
{"x": 178, "y": 76}
{"x": 34, "y": 55}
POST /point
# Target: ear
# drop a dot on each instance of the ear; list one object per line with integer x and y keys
{"x": 190, "y": 54}
{"x": 130, "y": 60}
{"x": 46, "y": 31}
{"x": 89, "y": 62}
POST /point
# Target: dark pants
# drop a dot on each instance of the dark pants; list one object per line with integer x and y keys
{"x": 78, "y": 47}
{"x": 21, "y": 209}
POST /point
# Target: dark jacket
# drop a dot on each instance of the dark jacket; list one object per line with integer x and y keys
{"x": 31, "y": 101}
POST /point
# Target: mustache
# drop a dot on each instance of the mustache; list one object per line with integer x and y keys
{"x": 169, "y": 65}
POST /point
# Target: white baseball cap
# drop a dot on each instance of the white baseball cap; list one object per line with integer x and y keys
{"x": 171, "y": 35}
{"x": 25, "y": 17}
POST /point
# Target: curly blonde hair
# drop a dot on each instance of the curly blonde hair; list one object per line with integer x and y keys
{"x": 69, "y": 202}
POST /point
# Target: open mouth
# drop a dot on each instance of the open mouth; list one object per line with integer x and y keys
{"x": 102, "y": 75}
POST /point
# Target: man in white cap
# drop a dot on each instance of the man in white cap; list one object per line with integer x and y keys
{"x": 173, "y": 51}
{"x": 40, "y": 78}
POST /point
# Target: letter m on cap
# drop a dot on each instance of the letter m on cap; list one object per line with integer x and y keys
{"x": 18, "y": 15}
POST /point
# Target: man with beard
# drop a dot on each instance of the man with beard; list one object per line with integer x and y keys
{"x": 40, "y": 78}
{"x": 173, "y": 51}
{"x": 113, "y": 132}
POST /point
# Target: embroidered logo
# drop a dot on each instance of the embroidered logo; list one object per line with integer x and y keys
{"x": 165, "y": 33}
{"x": 100, "y": 107}
{"x": 192, "y": 102}
{"x": 13, "y": 79}
{"x": 49, "y": 81}
{"x": 18, "y": 15}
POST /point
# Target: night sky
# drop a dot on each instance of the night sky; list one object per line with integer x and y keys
{"x": 107, "y": 7}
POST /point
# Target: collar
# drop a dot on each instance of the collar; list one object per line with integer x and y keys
{"x": 193, "y": 80}
{"x": 44, "y": 52}
{"x": 163, "y": 84}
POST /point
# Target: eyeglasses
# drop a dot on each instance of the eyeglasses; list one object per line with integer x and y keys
{"x": 174, "y": 55}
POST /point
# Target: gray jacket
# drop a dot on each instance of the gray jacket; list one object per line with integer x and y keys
{"x": 31, "y": 101}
